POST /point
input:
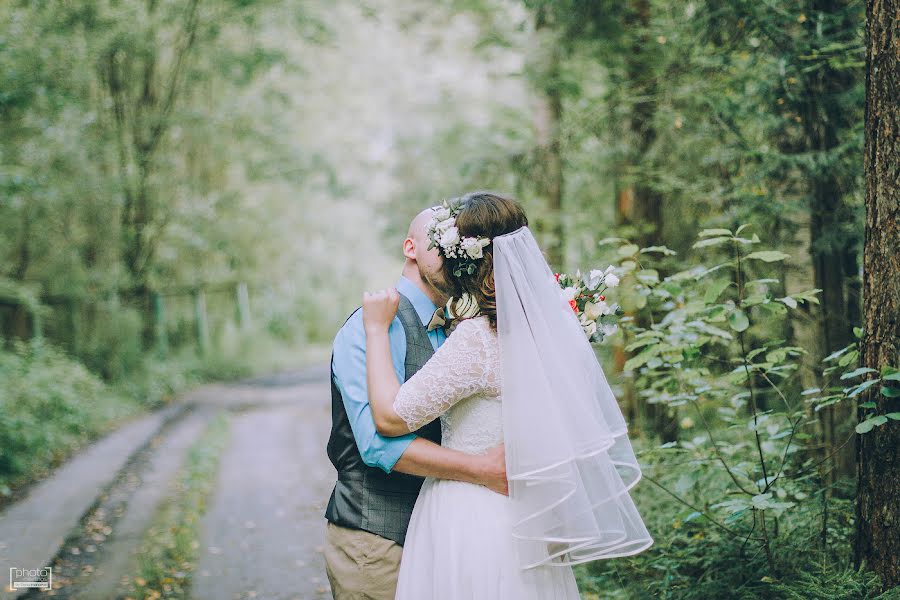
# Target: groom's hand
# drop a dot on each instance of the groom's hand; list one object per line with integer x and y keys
{"x": 379, "y": 309}
{"x": 494, "y": 470}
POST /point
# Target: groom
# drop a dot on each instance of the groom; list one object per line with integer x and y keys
{"x": 378, "y": 478}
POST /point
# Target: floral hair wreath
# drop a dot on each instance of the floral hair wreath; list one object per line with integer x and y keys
{"x": 444, "y": 234}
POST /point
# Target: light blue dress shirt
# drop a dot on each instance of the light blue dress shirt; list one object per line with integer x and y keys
{"x": 349, "y": 367}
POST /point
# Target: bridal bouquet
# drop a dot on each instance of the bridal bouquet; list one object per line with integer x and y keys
{"x": 585, "y": 294}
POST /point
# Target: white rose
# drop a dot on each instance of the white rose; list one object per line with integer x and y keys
{"x": 474, "y": 247}
{"x": 450, "y": 237}
{"x": 611, "y": 280}
{"x": 463, "y": 307}
{"x": 471, "y": 247}
{"x": 590, "y": 328}
{"x": 592, "y": 310}
{"x": 445, "y": 224}
{"x": 441, "y": 213}
{"x": 569, "y": 293}
{"x": 610, "y": 328}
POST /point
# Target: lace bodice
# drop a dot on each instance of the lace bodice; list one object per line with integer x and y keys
{"x": 461, "y": 385}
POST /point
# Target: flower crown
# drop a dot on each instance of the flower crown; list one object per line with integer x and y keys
{"x": 444, "y": 234}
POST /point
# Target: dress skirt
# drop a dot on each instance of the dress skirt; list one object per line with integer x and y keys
{"x": 459, "y": 546}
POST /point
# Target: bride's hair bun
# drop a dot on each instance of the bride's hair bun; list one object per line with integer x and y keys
{"x": 482, "y": 215}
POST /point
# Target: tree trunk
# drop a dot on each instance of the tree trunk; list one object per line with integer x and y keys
{"x": 878, "y": 499}
{"x": 548, "y": 167}
{"x": 637, "y": 205}
{"x": 833, "y": 251}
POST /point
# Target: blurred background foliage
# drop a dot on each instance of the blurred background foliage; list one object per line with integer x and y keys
{"x": 195, "y": 189}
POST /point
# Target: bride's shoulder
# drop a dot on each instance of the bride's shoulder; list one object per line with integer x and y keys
{"x": 473, "y": 340}
{"x": 476, "y": 326}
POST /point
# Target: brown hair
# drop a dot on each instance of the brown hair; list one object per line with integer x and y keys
{"x": 485, "y": 214}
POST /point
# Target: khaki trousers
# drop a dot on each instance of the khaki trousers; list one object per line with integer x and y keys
{"x": 361, "y": 565}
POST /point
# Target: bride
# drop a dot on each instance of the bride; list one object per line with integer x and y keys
{"x": 517, "y": 369}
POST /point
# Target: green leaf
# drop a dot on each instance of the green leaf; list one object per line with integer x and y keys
{"x": 788, "y": 301}
{"x": 858, "y": 332}
{"x": 763, "y": 280}
{"x": 869, "y": 404}
{"x": 628, "y": 250}
{"x": 858, "y": 371}
{"x": 761, "y": 500}
{"x": 711, "y": 242}
{"x": 755, "y": 352}
{"x": 888, "y": 392}
{"x": 834, "y": 355}
{"x": 745, "y": 240}
{"x": 768, "y": 255}
{"x": 712, "y": 232}
{"x": 686, "y": 482}
{"x": 661, "y": 249}
{"x": 848, "y": 358}
{"x": 756, "y": 299}
{"x": 639, "y": 360}
{"x": 647, "y": 276}
{"x": 738, "y": 320}
{"x": 610, "y": 240}
{"x": 714, "y": 290}
{"x": 640, "y": 343}
{"x": 712, "y": 330}
{"x": 895, "y": 416}
{"x": 774, "y": 307}
{"x": 866, "y": 426}
{"x": 776, "y": 355}
{"x": 862, "y": 387}
{"x": 895, "y": 376}
{"x": 870, "y": 423}
{"x": 808, "y": 296}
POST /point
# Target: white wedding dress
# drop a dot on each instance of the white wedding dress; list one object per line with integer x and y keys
{"x": 460, "y": 543}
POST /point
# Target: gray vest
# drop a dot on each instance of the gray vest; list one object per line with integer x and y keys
{"x": 366, "y": 497}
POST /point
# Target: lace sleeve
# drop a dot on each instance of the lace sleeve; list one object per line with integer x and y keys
{"x": 461, "y": 367}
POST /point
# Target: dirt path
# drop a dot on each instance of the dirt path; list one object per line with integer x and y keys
{"x": 263, "y": 530}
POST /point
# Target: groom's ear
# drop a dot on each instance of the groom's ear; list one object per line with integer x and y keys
{"x": 409, "y": 248}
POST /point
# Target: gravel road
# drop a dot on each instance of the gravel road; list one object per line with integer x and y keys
{"x": 262, "y": 533}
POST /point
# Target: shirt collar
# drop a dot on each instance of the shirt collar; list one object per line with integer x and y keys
{"x": 422, "y": 303}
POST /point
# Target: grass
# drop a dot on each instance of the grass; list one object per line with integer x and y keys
{"x": 169, "y": 551}
{"x": 50, "y": 406}
{"x": 693, "y": 560}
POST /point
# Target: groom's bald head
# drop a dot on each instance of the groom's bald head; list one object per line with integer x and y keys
{"x": 422, "y": 263}
{"x": 417, "y": 226}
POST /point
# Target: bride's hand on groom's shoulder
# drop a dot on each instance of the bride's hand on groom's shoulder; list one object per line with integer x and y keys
{"x": 379, "y": 309}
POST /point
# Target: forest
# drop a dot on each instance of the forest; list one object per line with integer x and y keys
{"x": 196, "y": 191}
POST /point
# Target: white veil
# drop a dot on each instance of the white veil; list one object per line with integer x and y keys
{"x": 568, "y": 458}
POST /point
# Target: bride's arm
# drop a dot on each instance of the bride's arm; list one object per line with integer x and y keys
{"x": 379, "y": 309}
{"x": 457, "y": 370}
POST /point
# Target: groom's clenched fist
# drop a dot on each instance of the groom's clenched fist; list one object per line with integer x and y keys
{"x": 379, "y": 309}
